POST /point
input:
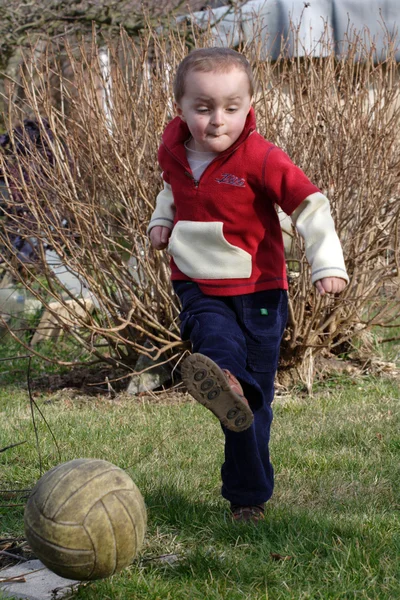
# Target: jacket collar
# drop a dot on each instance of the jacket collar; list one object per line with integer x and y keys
{"x": 177, "y": 133}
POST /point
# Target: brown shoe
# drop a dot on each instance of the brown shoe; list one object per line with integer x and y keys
{"x": 248, "y": 514}
{"x": 218, "y": 390}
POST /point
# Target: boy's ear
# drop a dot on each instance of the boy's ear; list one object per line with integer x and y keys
{"x": 178, "y": 111}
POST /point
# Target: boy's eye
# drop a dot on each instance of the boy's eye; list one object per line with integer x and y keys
{"x": 202, "y": 109}
{"x": 231, "y": 109}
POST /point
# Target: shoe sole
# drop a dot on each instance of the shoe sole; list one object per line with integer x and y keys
{"x": 206, "y": 382}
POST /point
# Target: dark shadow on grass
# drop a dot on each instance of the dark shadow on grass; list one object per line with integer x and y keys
{"x": 284, "y": 529}
{"x": 292, "y": 542}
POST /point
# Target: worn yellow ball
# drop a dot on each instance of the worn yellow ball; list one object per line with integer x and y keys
{"x": 85, "y": 519}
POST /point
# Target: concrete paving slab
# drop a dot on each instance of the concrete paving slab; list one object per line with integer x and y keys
{"x": 39, "y": 584}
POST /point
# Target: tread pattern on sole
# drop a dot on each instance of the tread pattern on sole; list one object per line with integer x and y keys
{"x": 206, "y": 382}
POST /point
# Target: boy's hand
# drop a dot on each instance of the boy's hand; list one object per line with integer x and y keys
{"x": 159, "y": 237}
{"x": 330, "y": 285}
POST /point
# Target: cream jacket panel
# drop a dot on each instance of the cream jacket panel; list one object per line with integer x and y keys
{"x": 164, "y": 211}
{"x": 200, "y": 251}
{"x": 313, "y": 220}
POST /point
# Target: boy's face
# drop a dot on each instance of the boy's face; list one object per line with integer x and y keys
{"x": 215, "y": 106}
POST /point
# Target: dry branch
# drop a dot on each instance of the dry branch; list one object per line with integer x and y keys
{"x": 12, "y": 446}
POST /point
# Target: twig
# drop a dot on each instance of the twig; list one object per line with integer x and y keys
{"x": 12, "y": 446}
{"x": 34, "y": 404}
{"x": 14, "y": 357}
{"x": 5, "y": 553}
{"x": 20, "y": 577}
{"x": 392, "y": 339}
{"x": 16, "y": 579}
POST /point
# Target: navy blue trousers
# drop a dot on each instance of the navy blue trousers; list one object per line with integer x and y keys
{"x": 243, "y": 334}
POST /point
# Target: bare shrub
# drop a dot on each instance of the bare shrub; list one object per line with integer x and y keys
{"x": 91, "y": 202}
{"x": 100, "y": 181}
{"x": 339, "y": 120}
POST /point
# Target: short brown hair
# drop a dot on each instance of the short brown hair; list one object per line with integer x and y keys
{"x": 210, "y": 59}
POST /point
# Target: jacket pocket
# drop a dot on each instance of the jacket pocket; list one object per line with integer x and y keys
{"x": 200, "y": 251}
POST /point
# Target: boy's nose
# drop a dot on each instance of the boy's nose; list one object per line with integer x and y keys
{"x": 217, "y": 118}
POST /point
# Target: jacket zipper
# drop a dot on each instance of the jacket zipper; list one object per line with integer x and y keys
{"x": 195, "y": 181}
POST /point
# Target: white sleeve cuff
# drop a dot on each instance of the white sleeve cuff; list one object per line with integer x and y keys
{"x": 313, "y": 220}
{"x": 164, "y": 211}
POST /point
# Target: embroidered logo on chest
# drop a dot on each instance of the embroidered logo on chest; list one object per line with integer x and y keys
{"x": 231, "y": 180}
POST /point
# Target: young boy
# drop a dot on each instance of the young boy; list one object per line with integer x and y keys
{"x": 217, "y": 214}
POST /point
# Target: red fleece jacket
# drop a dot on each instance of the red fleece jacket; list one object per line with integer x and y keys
{"x": 239, "y": 188}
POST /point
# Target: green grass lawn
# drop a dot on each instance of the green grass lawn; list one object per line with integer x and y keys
{"x": 332, "y": 528}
